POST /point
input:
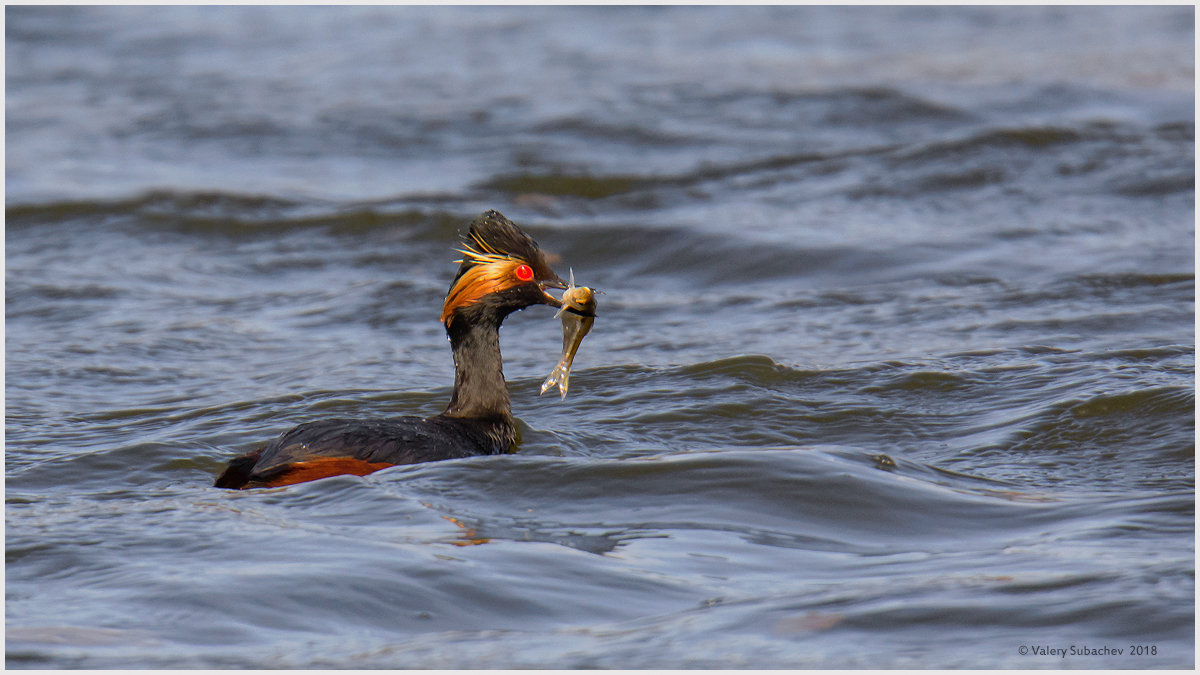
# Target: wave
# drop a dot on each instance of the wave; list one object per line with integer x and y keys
{"x": 630, "y": 250}
{"x": 230, "y": 213}
{"x": 984, "y": 412}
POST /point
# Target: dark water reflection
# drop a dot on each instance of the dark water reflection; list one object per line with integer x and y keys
{"x": 895, "y": 365}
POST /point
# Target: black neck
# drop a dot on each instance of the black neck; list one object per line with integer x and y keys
{"x": 479, "y": 389}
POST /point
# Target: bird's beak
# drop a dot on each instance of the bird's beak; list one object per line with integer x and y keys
{"x": 556, "y": 282}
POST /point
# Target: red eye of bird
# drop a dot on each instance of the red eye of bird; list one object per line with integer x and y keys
{"x": 524, "y": 273}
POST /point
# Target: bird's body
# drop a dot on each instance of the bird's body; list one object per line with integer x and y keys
{"x": 502, "y": 271}
{"x": 348, "y": 446}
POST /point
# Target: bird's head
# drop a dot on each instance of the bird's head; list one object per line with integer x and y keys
{"x": 502, "y": 270}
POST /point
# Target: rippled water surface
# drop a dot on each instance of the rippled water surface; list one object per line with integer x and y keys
{"x": 894, "y": 368}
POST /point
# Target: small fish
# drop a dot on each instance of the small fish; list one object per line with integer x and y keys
{"x": 578, "y": 313}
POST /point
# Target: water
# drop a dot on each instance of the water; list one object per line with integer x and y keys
{"x": 895, "y": 365}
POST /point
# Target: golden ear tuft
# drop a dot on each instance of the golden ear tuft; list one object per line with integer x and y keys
{"x": 480, "y": 252}
{"x": 490, "y": 273}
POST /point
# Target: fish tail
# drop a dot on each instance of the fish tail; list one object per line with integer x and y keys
{"x": 561, "y": 375}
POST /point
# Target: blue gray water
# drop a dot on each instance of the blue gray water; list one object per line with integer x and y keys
{"x": 894, "y": 368}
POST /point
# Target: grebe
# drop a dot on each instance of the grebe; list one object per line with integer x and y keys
{"x": 503, "y": 270}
